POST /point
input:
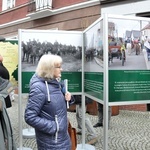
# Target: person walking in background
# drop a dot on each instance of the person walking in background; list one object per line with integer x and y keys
{"x": 46, "y": 110}
{"x": 91, "y": 132}
{"x": 4, "y": 73}
{"x": 112, "y": 42}
{"x": 100, "y": 116}
{"x": 128, "y": 46}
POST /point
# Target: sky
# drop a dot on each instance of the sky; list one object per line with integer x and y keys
{"x": 123, "y": 25}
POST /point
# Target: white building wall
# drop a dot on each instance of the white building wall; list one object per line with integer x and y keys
{"x": 128, "y": 9}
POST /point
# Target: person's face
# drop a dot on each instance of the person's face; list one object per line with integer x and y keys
{"x": 1, "y": 58}
{"x": 57, "y": 71}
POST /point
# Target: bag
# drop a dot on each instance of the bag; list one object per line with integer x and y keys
{"x": 73, "y": 137}
{"x": 8, "y": 102}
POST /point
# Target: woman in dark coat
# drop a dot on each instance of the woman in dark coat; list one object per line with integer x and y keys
{"x": 5, "y": 75}
{"x": 46, "y": 110}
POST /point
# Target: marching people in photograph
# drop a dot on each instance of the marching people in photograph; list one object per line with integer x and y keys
{"x": 33, "y": 49}
{"x": 4, "y": 73}
{"x": 46, "y": 110}
{"x": 92, "y": 136}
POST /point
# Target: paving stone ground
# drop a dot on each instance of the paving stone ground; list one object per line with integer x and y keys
{"x": 130, "y": 130}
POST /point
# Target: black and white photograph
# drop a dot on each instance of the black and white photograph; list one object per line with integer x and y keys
{"x": 36, "y": 43}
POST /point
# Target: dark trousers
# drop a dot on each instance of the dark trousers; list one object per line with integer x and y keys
{"x": 100, "y": 113}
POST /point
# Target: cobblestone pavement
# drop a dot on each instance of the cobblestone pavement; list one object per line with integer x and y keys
{"x": 130, "y": 130}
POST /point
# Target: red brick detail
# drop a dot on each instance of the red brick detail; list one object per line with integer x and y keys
{"x": 20, "y": 2}
{"x": 137, "y": 107}
{"x": 64, "y": 3}
{"x": 0, "y": 6}
{"x": 13, "y": 15}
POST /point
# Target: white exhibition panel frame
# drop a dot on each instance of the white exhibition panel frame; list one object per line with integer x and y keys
{"x": 103, "y": 23}
{"x": 67, "y": 37}
{"x": 105, "y": 55}
{"x": 129, "y": 19}
{"x": 105, "y": 101}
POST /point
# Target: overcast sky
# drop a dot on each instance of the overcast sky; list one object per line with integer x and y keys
{"x": 123, "y": 25}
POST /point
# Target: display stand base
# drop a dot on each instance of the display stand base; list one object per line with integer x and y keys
{"x": 86, "y": 147}
{"x": 24, "y": 148}
{"x": 28, "y": 133}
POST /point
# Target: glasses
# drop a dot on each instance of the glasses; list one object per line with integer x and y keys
{"x": 59, "y": 67}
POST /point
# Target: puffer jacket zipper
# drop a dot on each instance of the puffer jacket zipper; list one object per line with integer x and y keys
{"x": 48, "y": 94}
{"x": 56, "y": 119}
{"x": 56, "y": 134}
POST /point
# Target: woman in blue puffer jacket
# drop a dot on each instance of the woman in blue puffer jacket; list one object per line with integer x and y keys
{"x": 46, "y": 109}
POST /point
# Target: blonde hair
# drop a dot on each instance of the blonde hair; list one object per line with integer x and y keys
{"x": 47, "y": 64}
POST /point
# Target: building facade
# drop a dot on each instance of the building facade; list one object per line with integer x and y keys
{"x": 48, "y": 14}
{"x": 62, "y": 14}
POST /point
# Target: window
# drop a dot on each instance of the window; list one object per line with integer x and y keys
{"x": 7, "y": 4}
{"x": 43, "y": 4}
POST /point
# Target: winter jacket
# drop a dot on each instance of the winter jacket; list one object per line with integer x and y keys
{"x": 46, "y": 111}
{"x": 5, "y": 75}
{"x": 6, "y": 133}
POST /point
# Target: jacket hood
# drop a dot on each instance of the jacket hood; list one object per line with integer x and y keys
{"x": 35, "y": 78}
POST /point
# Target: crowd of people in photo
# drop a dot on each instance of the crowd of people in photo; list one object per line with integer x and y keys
{"x": 34, "y": 49}
{"x": 129, "y": 46}
{"x": 119, "y": 47}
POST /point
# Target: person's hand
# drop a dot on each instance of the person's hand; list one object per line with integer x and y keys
{"x": 68, "y": 96}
